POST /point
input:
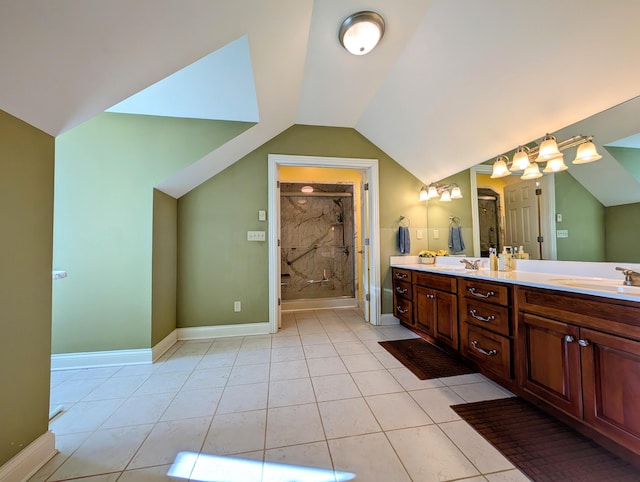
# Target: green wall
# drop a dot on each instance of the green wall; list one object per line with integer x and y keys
{"x": 106, "y": 170}
{"x": 583, "y": 216}
{"x": 629, "y": 157}
{"x": 623, "y": 232}
{"x": 26, "y": 217}
{"x": 164, "y": 266}
{"x": 216, "y": 264}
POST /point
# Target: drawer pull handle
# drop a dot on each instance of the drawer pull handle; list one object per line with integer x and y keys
{"x": 401, "y": 290}
{"x": 401, "y": 310}
{"x": 401, "y": 275}
{"x": 481, "y": 295}
{"x": 569, "y": 338}
{"x": 474, "y": 344}
{"x": 480, "y": 317}
{"x": 584, "y": 342}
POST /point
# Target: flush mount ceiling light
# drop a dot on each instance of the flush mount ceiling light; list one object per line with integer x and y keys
{"x": 548, "y": 152}
{"x": 361, "y": 32}
{"x": 307, "y": 189}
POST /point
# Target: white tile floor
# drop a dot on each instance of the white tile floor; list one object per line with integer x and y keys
{"x": 321, "y": 393}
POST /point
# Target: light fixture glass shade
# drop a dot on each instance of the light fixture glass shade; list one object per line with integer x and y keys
{"x": 433, "y": 192}
{"x": 424, "y": 194}
{"x": 520, "y": 160}
{"x": 307, "y": 189}
{"x": 456, "y": 193}
{"x": 500, "y": 168}
{"x": 548, "y": 149}
{"x": 555, "y": 164}
{"x": 361, "y": 32}
{"x": 446, "y": 196}
{"x": 531, "y": 172}
{"x": 586, "y": 153}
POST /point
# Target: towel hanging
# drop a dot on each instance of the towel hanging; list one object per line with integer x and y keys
{"x": 456, "y": 243}
{"x": 404, "y": 241}
{"x": 454, "y": 221}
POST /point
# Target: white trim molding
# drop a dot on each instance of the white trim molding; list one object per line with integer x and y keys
{"x": 93, "y": 359}
{"x": 222, "y": 331}
{"x": 388, "y": 319}
{"x": 30, "y": 459}
{"x": 163, "y": 345}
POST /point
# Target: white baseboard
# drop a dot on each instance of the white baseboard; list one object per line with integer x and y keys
{"x": 30, "y": 459}
{"x": 161, "y": 347}
{"x": 93, "y": 359}
{"x": 389, "y": 319}
{"x": 221, "y": 331}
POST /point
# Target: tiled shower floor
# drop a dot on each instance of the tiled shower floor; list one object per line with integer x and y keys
{"x": 321, "y": 393}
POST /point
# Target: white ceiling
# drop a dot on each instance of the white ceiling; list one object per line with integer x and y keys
{"x": 453, "y": 82}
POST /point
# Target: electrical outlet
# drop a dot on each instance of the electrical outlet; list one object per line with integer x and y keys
{"x": 237, "y": 306}
{"x": 256, "y": 236}
{"x": 262, "y": 215}
{"x": 562, "y": 233}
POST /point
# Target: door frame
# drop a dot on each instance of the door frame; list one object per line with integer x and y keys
{"x": 371, "y": 168}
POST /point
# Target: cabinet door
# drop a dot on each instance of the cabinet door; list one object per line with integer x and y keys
{"x": 550, "y": 362}
{"x": 611, "y": 385}
{"x": 446, "y": 318}
{"x": 424, "y": 302}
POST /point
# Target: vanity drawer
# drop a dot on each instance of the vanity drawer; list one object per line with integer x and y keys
{"x": 485, "y": 291}
{"x": 402, "y": 289}
{"x": 489, "y": 351}
{"x": 435, "y": 281}
{"x": 403, "y": 310}
{"x": 401, "y": 275}
{"x": 486, "y": 315}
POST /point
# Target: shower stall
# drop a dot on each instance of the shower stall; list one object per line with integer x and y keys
{"x": 317, "y": 245}
{"x": 489, "y": 218}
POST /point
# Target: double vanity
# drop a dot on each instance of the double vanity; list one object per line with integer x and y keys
{"x": 550, "y": 332}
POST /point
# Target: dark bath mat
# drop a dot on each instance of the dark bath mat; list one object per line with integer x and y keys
{"x": 542, "y": 447}
{"x": 425, "y": 360}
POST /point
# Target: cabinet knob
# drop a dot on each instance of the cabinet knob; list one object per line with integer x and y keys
{"x": 584, "y": 342}
{"x": 569, "y": 338}
{"x": 431, "y": 295}
{"x": 477, "y": 294}
{"x": 474, "y": 314}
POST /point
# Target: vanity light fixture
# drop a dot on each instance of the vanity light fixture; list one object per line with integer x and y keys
{"x": 447, "y": 192}
{"x": 548, "y": 152}
{"x": 361, "y": 32}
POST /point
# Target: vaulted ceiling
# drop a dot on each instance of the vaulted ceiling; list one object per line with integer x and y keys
{"x": 453, "y": 82}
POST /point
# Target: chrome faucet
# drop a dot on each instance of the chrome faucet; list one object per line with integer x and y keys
{"x": 474, "y": 265}
{"x": 631, "y": 278}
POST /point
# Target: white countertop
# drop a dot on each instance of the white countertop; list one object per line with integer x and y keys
{"x": 599, "y": 279}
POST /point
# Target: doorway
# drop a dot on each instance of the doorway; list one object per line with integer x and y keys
{"x": 368, "y": 296}
{"x": 318, "y": 245}
{"x": 489, "y": 221}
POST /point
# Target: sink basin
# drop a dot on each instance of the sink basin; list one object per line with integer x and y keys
{"x": 599, "y": 284}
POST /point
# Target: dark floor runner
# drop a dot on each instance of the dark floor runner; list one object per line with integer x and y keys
{"x": 542, "y": 447}
{"x": 425, "y": 360}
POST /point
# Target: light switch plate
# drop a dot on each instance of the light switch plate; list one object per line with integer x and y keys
{"x": 436, "y": 234}
{"x": 256, "y": 236}
{"x": 262, "y": 215}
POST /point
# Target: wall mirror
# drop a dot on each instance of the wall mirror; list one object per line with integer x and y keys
{"x": 590, "y": 212}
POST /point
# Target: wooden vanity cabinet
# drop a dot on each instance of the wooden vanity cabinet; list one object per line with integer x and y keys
{"x": 486, "y": 328}
{"x": 402, "y": 296}
{"x": 435, "y": 309}
{"x": 581, "y": 355}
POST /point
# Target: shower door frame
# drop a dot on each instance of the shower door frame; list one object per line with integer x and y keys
{"x": 370, "y": 175}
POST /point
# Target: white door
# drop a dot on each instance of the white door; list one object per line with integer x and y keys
{"x": 522, "y": 217}
{"x": 365, "y": 251}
